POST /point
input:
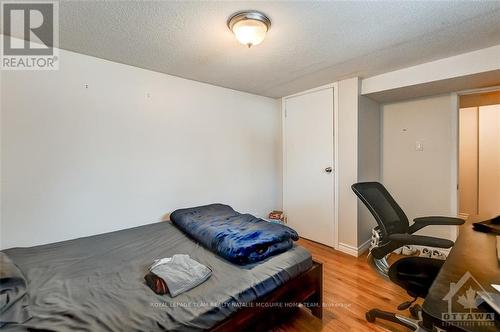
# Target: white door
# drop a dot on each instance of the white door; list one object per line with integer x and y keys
{"x": 308, "y": 165}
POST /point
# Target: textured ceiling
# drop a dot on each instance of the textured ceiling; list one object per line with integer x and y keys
{"x": 309, "y": 44}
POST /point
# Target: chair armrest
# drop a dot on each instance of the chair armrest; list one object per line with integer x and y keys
{"x": 398, "y": 240}
{"x": 420, "y": 223}
{"x": 420, "y": 240}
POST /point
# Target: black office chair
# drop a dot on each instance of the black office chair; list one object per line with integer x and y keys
{"x": 414, "y": 274}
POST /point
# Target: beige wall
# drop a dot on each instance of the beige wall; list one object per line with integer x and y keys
{"x": 480, "y": 99}
{"x": 421, "y": 181}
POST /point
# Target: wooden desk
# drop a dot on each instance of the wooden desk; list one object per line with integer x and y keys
{"x": 473, "y": 252}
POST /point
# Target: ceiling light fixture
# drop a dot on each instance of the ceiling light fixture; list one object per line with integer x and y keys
{"x": 249, "y": 27}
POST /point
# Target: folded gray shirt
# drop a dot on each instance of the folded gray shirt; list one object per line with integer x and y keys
{"x": 180, "y": 273}
{"x": 14, "y": 303}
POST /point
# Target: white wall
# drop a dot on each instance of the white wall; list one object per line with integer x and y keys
{"x": 422, "y": 182}
{"x": 369, "y": 159}
{"x": 128, "y": 149}
{"x": 347, "y": 163}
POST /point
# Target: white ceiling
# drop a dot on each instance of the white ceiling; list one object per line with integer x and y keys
{"x": 309, "y": 43}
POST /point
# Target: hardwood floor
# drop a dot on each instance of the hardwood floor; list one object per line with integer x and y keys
{"x": 350, "y": 288}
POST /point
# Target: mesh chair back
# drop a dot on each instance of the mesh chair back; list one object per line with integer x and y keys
{"x": 389, "y": 216}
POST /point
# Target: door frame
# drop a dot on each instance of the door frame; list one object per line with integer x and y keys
{"x": 333, "y": 86}
{"x": 456, "y": 138}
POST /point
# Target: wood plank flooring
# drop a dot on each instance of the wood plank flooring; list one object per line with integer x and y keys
{"x": 350, "y": 288}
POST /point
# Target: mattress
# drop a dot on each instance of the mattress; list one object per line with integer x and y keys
{"x": 97, "y": 283}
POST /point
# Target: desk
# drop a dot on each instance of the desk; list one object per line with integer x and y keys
{"x": 473, "y": 252}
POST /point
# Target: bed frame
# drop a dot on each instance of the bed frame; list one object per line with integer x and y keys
{"x": 266, "y": 312}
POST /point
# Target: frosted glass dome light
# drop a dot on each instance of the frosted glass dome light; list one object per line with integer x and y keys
{"x": 249, "y": 27}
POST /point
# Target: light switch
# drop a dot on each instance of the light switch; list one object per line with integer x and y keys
{"x": 419, "y": 146}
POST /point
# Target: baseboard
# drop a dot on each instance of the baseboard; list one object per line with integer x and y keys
{"x": 347, "y": 249}
{"x": 364, "y": 247}
{"x": 354, "y": 251}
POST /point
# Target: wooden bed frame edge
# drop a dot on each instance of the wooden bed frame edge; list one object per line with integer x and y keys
{"x": 266, "y": 312}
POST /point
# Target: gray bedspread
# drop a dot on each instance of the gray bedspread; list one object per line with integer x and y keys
{"x": 96, "y": 283}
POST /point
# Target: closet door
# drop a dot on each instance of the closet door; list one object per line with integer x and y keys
{"x": 308, "y": 165}
{"x": 489, "y": 160}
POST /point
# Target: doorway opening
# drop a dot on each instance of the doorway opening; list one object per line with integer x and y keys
{"x": 479, "y": 154}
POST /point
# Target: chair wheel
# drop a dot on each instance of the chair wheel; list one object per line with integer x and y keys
{"x": 369, "y": 317}
{"x": 415, "y": 310}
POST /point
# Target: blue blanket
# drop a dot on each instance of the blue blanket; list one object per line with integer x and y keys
{"x": 239, "y": 238}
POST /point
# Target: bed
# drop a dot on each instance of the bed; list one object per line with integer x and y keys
{"x": 96, "y": 283}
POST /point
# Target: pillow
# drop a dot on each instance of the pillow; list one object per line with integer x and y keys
{"x": 14, "y": 299}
